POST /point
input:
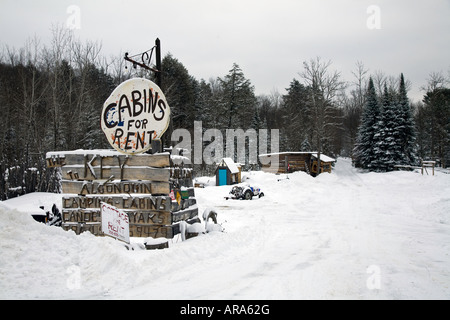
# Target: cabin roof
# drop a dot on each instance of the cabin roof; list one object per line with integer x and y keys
{"x": 324, "y": 157}
{"x": 230, "y": 164}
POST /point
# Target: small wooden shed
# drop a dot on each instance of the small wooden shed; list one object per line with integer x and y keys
{"x": 227, "y": 172}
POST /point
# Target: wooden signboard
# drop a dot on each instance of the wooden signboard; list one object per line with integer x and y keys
{"x": 135, "y": 113}
{"x": 117, "y": 187}
{"x": 115, "y": 223}
{"x": 138, "y": 185}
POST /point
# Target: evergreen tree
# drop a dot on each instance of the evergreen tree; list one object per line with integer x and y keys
{"x": 365, "y": 149}
{"x": 406, "y": 128}
{"x": 237, "y": 100}
{"x": 297, "y": 115}
{"x": 306, "y": 146}
{"x": 387, "y": 137}
{"x": 436, "y": 125}
{"x": 379, "y": 147}
{"x": 179, "y": 88}
{"x": 385, "y": 147}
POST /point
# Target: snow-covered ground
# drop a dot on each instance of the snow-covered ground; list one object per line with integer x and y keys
{"x": 345, "y": 235}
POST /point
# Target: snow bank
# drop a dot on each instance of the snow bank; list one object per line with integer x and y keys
{"x": 345, "y": 235}
{"x": 38, "y": 261}
{"x": 206, "y": 181}
{"x": 31, "y": 202}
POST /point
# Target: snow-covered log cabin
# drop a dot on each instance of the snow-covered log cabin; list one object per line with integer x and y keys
{"x": 287, "y": 162}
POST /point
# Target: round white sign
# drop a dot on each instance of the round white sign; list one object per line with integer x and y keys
{"x": 135, "y": 113}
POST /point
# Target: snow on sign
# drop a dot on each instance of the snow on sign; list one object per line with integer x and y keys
{"x": 135, "y": 113}
{"x": 115, "y": 222}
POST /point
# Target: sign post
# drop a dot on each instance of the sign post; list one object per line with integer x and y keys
{"x": 115, "y": 222}
{"x": 122, "y": 193}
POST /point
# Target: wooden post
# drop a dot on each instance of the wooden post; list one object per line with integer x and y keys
{"x": 319, "y": 171}
{"x": 158, "y": 75}
{"x": 428, "y": 164}
{"x": 156, "y": 146}
{"x": 158, "y": 63}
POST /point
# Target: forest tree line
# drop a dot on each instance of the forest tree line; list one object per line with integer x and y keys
{"x": 51, "y": 98}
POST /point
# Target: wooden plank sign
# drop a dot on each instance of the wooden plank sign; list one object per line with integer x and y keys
{"x": 77, "y": 172}
{"x": 139, "y": 202}
{"x": 105, "y": 158}
{"x": 116, "y": 187}
{"x": 139, "y": 186}
{"x": 134, "y": 216}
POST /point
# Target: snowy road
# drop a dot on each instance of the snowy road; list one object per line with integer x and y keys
{"x": 345, "y": 235}
{"x": 336, "y": 236}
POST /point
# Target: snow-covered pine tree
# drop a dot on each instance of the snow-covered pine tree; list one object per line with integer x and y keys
{"x": 406, "y": 128}
{"x": 306, "y": 146}
{"x": 435, "y": 126}
{"x": 364, "y": 150}
{"x": 238, "y": 99}
{"x": 379, "y": 147}
{"x": 384, "y": 144}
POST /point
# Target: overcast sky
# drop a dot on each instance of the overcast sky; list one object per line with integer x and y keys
{"x": 268, "y": 39}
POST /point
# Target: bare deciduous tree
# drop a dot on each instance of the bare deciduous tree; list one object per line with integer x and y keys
{"x": 324, "y": 84}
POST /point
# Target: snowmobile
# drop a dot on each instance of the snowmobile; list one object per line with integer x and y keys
{"x": 245, "y": 192}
